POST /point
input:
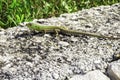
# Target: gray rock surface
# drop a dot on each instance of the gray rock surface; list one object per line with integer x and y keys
{"x": 27, "y": 55}
{"x": 92, "y": 75}
{"x": 114, "y": 70}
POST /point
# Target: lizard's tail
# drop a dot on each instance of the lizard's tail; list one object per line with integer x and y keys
{"x": 87, "y": 33}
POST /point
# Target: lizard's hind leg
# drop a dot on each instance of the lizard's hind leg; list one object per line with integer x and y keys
{"x": 57, "y": 33}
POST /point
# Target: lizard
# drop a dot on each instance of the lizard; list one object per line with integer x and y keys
{"x": 63, "y": 30}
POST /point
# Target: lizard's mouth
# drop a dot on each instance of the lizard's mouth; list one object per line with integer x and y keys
{"x": 25, "y": 24}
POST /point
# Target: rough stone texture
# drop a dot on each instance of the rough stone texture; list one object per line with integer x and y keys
{"x": 26, "y": 55}
{"x": 92, "y": 75}
{"x": 114, "y": 70}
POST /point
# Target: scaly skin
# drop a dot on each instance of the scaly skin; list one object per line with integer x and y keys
{"x": 63, "y": 30}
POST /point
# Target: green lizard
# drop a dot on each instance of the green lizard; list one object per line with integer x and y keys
{"x": 63, "y": 30}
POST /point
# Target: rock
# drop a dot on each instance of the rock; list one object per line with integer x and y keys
{"x": 114, "y": 71}
{"x": 73, "y": 39}
{"x": 116, "y": 56}
{"x": 31, "y": 55}
{"x": 62, "y": 43}
{"x": 93, "y": 75}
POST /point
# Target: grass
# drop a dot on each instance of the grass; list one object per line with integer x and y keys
{"x": 13, "y": 12}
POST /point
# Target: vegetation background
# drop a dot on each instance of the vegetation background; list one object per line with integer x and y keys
{"x": 13, "y": 12}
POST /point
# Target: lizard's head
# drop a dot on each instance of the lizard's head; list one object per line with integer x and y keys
{"x": 29, "y": 24}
